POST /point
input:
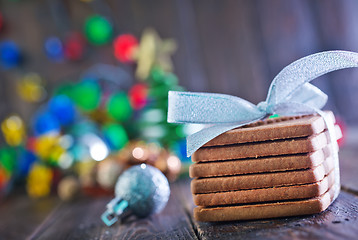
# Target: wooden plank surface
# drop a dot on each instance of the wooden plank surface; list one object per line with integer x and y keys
{"x": 81, "y": 220}
{"x": 20, "y": 215}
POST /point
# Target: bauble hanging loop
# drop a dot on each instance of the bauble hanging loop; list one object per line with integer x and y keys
{"x": 141, "y": 190}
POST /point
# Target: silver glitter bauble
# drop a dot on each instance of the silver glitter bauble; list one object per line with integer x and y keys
{"x": 145, "y": 188}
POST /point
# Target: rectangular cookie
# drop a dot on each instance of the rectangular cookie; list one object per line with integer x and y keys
{"x": 272, "y": 129}
{"x": 262, "y": 164}
{"x": 303, "y": 191}
{"x": 266, "y": 210}
{"x": 261, "y": 180}
{"x": 262, "y": 149}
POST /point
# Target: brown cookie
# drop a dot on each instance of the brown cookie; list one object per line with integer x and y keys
{"x": 303, "y": 191}
{"x": 262, "y": 180}
{"x": 262, "y": 149}
{"x": 266, "y": 210}
{"x": 257, "y": 165}
{"x": 272, "y": 129}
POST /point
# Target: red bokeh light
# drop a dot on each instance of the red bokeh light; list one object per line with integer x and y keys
{"x": 123, "y": 47}
{"x": 138, "y": 96}
{"x": 74, "y": 46}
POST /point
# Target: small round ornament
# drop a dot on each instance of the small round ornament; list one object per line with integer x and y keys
{"x": 54, "y": 48}
{"x": 141, "y": 190}
{"x": 8, "y": 159}
{"x": 138, "y": 96}
{"x": 86, "y": 95}
{"x": 115, "y": 135}
{"x": 98, "y": 30}
{"x": 63, "y": 109}
{"x": 25, "y": 160}
{"x": 30, "y": 87}
{"x": 124, "y": 47}
{"x": 45, "y": 122}
{"x": 39, "y": 181}
{"x": 74, "y": 46}
{"x": 119, "y": 107}
{"x": 10, "y": 54}
{"x": 13, "y": 129}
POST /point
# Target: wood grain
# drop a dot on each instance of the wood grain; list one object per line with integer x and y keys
{"x": 20, "y": 215}
{"x": 81, "y": 220}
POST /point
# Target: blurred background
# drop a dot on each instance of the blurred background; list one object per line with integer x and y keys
{"x": 81, "y": 58}
{"x": 234, "y": 47}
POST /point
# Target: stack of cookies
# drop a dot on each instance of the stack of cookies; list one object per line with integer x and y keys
{"x": 277, "y": 167}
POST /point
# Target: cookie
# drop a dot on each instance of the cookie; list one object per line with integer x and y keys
{"x": 273, "y": 129}
{"x": 266, "y": 210}
{"x": 262, "y": 164}
{"x": 303, "y": 191}
{"x": 262, "y": 149}
{"x": 262, "y": 180}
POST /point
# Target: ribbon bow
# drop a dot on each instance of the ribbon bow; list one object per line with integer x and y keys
{"x": 290, "y": 93}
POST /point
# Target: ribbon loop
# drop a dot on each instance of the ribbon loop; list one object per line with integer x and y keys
{"x": 209, "y": 108}
{"x": 290, "y": 93}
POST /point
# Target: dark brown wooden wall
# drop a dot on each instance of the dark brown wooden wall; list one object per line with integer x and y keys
{"x": 234, "y": 47}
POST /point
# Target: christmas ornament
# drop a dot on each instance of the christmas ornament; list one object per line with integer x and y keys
{"x": 13, "y": 129}
{"x": 49, "y": 149}
{"x": 39, "y": 181}
{"x": 115, "y": 136}
{"x": 119, "y": 107}
{"x": 86, "y": 95}
{"x": 63, "y": 109}
{"x": 124, "y": 47}
{"x": 138, "y": 96}
{"x": 74, "y": 46}
{"x": 141, "y": 190}
{"x": 54, "y": 48}
{"x": 98, "y": 30}
{"x": 30, "y": 88}
{"x": 10, "y": 55}
{"x": 7, "y": 161}
{"x": 45, "y": 122}
{"x": 24, "y": 162}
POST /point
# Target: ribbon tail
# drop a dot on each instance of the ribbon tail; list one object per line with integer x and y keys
{"x": 306, "y": 69}
{"x": 198, "y": 139}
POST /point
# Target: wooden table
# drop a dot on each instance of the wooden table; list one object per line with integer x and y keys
{"x": 49, "y": 218}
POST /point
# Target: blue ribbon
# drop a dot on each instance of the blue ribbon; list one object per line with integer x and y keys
{"x": 290, "y": 93}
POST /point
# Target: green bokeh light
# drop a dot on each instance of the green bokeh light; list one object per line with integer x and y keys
{"x": 119, "y": 107}
{"x": 98, "y": 30}
{"x": 87, "y": 95}
{"x": 115, "y": 135}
